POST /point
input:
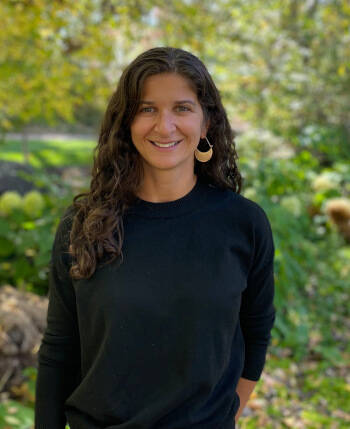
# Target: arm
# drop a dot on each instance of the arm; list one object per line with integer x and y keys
{"x": 257, "y": 313}
{"x": 59, "y": 354}
{"x": 244, "y": 389}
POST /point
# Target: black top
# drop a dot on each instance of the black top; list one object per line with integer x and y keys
{"x": 160, "y": 341}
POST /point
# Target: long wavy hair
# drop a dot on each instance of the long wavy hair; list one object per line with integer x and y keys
{"x": 117, "y": 166}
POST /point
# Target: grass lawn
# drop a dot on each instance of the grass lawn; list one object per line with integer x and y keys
{"x": 45, "y": 153}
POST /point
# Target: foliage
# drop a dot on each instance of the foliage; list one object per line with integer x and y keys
{"x": 309, "y": 256}
{"x": 285, "y": 59}
{"x": 10, "y": 200}
{"x": 55, "y": 56}
{"x": 15, "y": 415}
{"x": 26, "y": 236}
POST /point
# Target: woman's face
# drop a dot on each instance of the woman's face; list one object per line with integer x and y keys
{"x": 169, "y": 112}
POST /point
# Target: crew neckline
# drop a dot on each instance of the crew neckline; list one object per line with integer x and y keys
{"x": 185, "y": 204}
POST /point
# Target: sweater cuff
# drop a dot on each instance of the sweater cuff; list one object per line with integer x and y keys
{"x": 254, "y": 362}
{"x": 255, "y": 355}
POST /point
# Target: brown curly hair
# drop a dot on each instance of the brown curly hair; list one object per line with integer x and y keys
{"x": 117, "y": 167}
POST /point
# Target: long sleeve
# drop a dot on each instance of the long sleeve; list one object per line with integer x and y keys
{"x": 59, "y": 353}
{"x": 257, "y": 313}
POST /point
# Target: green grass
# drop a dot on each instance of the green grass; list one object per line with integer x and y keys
{"x": 45, "y": 153}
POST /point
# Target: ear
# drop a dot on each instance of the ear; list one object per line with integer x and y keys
{"x": 205, "y": 129}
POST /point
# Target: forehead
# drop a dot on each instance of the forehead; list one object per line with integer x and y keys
{"x": 166, "y": 84}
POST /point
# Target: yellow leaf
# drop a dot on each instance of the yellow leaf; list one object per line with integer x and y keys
{"x": 341, "y": 70}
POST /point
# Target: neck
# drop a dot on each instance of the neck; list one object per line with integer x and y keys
{"x": 156, "y": 190}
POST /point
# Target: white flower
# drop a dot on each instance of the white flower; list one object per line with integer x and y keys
{"x": 325, "y": 181}
{"x": 292, "y": 204}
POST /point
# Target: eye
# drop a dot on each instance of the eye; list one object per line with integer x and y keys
{"x": 183, "y": 107}
{"x": 144, "y": 109}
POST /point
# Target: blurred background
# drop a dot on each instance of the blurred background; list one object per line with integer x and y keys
{"x": 283, "y": 70}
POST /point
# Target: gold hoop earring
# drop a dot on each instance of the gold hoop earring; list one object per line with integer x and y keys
{"x": 204, "y": 156}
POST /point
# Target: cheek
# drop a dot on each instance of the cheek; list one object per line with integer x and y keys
{"x": 137, "y": 129}
{"x": 141, "y": 126}
{"x": 192, "y": 128}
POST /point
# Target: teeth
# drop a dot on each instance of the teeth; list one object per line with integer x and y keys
{"x": 165, "y": 145}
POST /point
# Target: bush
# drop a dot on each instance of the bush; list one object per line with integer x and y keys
{"x": 27, "y": 229}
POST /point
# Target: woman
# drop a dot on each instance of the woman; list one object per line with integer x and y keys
{"x": 172, "y": 330}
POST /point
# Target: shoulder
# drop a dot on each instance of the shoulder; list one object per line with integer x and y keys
{"x": 248, "y": 216}
{"x": 68, "y": 214}
{"x": 261, "y": 231}
{"x": 256, "y": 213}
{"x": 62, "y": 231}
{"x": 243, "y": 207}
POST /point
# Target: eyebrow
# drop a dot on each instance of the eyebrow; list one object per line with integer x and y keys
{"x": 176, "y": 102}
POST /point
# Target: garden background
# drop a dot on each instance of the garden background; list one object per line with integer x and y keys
{"x": 283, "y": 69}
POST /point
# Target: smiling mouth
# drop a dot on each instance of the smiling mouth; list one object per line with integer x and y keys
{"x": 166, "y": 145}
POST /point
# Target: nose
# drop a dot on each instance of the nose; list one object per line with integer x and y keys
{"x": 165, "y": 123}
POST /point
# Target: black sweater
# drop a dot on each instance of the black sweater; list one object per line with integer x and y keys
{"x": 161, "y": 340}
